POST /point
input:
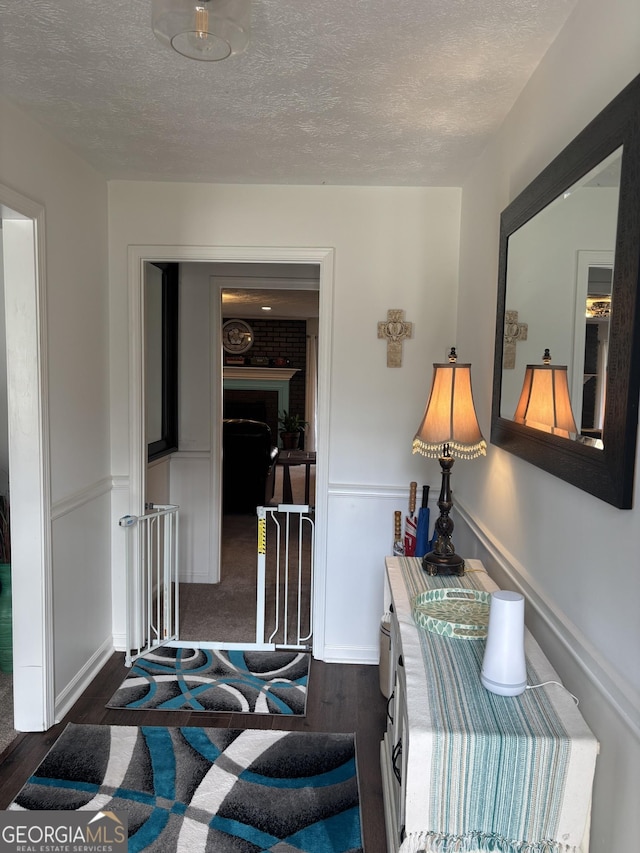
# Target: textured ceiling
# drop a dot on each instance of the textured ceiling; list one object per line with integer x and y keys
{"x": 362, "y": 92}
{"x": 282, "y": 304}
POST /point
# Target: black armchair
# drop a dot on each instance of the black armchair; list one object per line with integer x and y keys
{"x": 248, "y": 465}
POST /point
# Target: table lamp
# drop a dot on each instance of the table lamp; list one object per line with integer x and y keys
{"x": 448, "y": 430}
{"x": 544, "y": 401}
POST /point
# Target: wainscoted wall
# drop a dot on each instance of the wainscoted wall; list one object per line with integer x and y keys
{"x": 394, "y": 248}
{"x": 360, "y": 518}
{"x": 120, "y": 506}
{"x": 81, "y": 538}
{"x": 70, "y": 198}
{"x": 191, "y": 489}
{"x": 575, "y": 555}
{"x": 607, "y": 701}
{"x": 549, "y": 625}
{"x": 361, "y": 523}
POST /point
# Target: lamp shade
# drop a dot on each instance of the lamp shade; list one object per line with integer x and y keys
{"x": 544, "y": 401}
{"x": 207, "y": 30}
{"x": 450, "y": 417}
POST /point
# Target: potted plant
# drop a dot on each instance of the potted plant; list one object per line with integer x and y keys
{"x": 292, "y": 426}
{"x": 6, "y": 629}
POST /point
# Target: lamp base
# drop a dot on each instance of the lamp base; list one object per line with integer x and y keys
{"x": 442, "y": 564}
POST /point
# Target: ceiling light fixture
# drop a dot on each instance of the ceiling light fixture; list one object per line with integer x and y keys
{"x": 207, "y": 30}
{"x": 598, "y": 307}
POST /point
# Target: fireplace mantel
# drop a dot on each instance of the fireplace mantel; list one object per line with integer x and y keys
{"x": 276, "y": 374}
{"x": 269, "y": 380}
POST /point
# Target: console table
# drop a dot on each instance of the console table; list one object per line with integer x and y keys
{"x": 463, "y": 768}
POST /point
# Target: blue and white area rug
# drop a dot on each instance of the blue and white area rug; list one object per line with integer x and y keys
{"x": 208, "y": 790}
{"x": 212, "y": 680}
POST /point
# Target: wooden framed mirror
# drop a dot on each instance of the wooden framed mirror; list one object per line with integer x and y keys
{"x": 574, "y": 235}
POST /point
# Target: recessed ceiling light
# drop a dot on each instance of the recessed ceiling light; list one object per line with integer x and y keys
{"x": 266, "y": 307}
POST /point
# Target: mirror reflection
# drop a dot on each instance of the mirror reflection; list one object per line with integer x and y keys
{"x": 559, "y": 296}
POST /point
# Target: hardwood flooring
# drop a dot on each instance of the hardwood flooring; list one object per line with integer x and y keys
{"x": 342, "y": 698}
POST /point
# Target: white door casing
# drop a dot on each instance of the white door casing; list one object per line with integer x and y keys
{"x": 324, "y": 259}
{"x": 27, "y": 386}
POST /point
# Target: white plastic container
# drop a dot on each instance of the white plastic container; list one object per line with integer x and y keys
{"x": 504, "y": 669}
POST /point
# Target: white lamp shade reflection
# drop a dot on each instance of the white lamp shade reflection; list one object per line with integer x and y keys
{"x": 544, "y": 401}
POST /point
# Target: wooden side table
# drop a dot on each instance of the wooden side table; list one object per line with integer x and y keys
{"x": 286, "y": 459}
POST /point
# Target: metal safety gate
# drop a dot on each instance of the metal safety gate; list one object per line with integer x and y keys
{"x": 284, "y": 588}
{"x": 286, "y": 546}
{"x": 152, "y": 587}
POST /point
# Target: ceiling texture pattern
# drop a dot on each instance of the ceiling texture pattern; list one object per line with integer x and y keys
{"x": 347, "y": 92}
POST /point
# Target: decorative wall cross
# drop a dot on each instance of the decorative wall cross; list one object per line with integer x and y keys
{"x": 513, "y": 332}
{"x": 395, "y": 329}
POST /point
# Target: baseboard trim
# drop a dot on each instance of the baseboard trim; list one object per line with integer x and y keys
{"x": 617, "y": 693}
{"x": 351, "y": 654}
{"x": 195, "y": 577}
{"x": 190, "y": 455}
{"x": 76, "y": 687}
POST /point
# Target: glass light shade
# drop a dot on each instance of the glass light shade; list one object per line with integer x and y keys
{"x": 544, "y": 401}
{"x": 450, "y": 417}
{"x": 207, "y": 30}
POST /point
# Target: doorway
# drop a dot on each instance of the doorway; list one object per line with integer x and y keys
{"x": 269, "y": 318}
{"x": 594, "y": 304}
{"x": 323, "y": 260}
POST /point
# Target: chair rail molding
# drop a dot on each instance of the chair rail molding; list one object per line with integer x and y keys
{"x": 82, "y": 497}
{"x": 609, "y": 684}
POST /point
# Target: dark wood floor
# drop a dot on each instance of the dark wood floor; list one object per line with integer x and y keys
{"x": 342, "y": 698}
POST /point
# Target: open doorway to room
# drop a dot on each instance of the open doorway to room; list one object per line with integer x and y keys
{"x": 269, "y": 321}
{"x": 195, "y": 474}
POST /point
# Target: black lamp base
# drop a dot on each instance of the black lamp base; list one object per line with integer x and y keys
{"x": 442, "y": 564}
{"x": 443, "y": 560}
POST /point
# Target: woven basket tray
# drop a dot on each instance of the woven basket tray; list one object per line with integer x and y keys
{"x": 453, "y": 612}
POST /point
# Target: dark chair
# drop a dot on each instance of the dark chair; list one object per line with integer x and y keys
{"x": 248, "y": 465}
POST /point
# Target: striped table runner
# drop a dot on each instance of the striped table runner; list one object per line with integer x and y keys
{"x": 486, "y": 772}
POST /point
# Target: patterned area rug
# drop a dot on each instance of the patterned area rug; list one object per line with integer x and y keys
{"x": 206, "y": 789}
{"x": 213, "y": 680}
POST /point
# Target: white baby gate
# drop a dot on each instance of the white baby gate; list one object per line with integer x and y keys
{"x": 153, "y": 590}
{"x": 286, "y": 581}
{"x": 285, "y": 574}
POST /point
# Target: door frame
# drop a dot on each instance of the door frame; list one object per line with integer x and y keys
{"x": 29, "y": 477}
{"x": 321, "y": 257}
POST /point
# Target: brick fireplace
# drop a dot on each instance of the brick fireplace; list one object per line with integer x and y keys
{"x": 256, "y": 393}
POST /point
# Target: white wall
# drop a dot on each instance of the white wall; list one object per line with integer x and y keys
{"x": 39, "y": 168}
{"x": 394, "y": 248}
{"x": 575, "y": 557}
